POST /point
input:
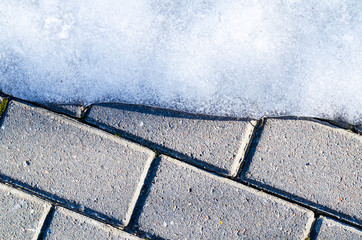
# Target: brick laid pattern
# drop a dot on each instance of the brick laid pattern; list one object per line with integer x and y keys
{"x": 73, "y": 163}
{"x": 99, "y": 175}
{"x": 21, "y": 215}
{"x": 187, "y": 203}
{"x": 66, "y": 224}
{"x": 328, "y": 229}
{"x": 218, "y": 145}
{"x": 310, "y": 162}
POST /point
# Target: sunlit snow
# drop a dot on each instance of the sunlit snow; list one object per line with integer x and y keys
{"x": 222, "y": 57}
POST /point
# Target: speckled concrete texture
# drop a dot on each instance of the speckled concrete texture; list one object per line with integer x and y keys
{"x": 309, "y": 162}
{"x": 21, "y": 215}
{"x": 329, "y": 229}
{"x": 187, "y": 203}
{"x": 134, "y": 172}
{"x": 214, "y": 143}
{"x": 70, "y": 162}
{"x": 66, "y": 224}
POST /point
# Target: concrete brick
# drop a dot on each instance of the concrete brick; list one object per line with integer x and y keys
{"x": 310, "y": 162}
{"x": 69, "y": 109}
{"x": 66, "y": 224}
{"x": 187, "y": 203}
{"x": 71, "y": 162}
{"x": 329, "y": 229}
{"x": 21, "y": 215}
{"x": 210, "y": 142}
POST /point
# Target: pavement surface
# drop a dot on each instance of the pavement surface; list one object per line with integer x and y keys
{"x": 118, "y": 171}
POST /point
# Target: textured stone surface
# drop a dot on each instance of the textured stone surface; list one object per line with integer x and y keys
{"x": 311, "y": 162}
{"x": 328, "y": 229}
{"x": 73, "y": 163}
{"x": 209, "y": 142}
{"x": 69, "y": 109}
{"x": 187, "y": 203}
{"x": 21, "y": 215}
{"x": 70, "y": 225}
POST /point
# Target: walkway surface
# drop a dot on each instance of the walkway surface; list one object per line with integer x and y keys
{"x": 117, "y": 171}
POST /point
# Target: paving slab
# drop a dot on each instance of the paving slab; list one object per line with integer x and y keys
{"x": 74, "y": 110}
{"x": 21, "y": 215}
{"x": 329, "y": 229}
{"x": 184, "y": 202}
{"x": 66, "y": 224}
{"x": 210, "y": 142}
{"x": 310, "y": 162}
{"x": 71, "y": 162}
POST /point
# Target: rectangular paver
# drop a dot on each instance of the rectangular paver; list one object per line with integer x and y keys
{"x": 310, "y": 162}
{"x": 21, "y": 215}
{"x": 329, "y": 229}
{"x": 184, "y": 202}
{"x": 65, "y": 224}
{"x": 73, "y": 163}
{"x": 209, "y": 142}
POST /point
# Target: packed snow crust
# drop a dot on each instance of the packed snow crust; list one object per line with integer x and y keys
{"x": 222, "y": 57}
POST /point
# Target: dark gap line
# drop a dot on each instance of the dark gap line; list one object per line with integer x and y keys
{"x": 46, "y": 223}
{"x": 257, "y": 130}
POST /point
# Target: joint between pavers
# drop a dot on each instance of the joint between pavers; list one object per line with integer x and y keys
{"x": 137, "y": 193}
{"x": 311, "y": 228}
{"x": 245, "y": 144}
{"x": 253, "y": 142}
{"x": 132, "y": 224}
{"x": 46, "y": 222}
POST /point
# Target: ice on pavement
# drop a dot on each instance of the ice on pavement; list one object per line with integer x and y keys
{"x": 221, "y": 57}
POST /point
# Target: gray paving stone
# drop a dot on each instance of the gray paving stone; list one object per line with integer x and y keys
{"x": 66, "y": 224}
{"x": 206, "y": 141}
{"x": 328, "y": 229}
{"x": 310, "y": 162}
{"x": 69, "y": 109}
{"x": 21, "y": 215}
{"x": 187, "y": 203}
{"x": 71, "y": 162}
